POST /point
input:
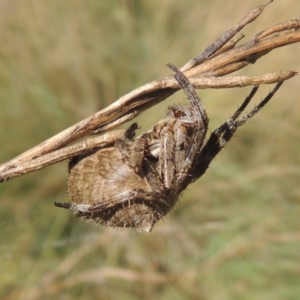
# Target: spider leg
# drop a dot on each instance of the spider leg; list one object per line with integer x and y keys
{"x": 133, "y": 154}
{"x": 122, "y": 143}
{"x": 245, "y": 103}
{"x": 166, "y": 164}
{"x": 257, "y": 108}
{"x": 137, "y": 153}
{"x": 134, "y": 202}
{"x": 124, "y": 199}
{"x": 222, "y": 135}
{"x": 199, "y": 124}
{"x": 62, "y": 205}
{"x": 199, "y": 113}
{"x": 176, "y": 152}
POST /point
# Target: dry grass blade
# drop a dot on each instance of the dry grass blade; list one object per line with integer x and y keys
{"x": 220, "y": 42}
{"x": 204, "y": 71}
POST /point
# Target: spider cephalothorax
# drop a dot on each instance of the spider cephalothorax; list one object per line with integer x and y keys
{"x": 138, "y": 181}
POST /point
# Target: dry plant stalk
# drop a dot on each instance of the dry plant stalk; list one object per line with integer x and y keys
{"x": 207, "y": 70}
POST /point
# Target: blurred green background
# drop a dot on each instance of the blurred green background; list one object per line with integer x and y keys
{"x": 235, "y": 233}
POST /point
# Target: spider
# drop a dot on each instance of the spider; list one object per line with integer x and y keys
{"x": 137, "y": 181}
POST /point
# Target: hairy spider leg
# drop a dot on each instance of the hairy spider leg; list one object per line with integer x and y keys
{"x": 166, "y": 161}
{"x": 257, "y": 108}
{"x": 133, "y": 154}
{"x": 222, "y": 135}
{"x": 198, "y": 109}
{"x": 199, "y": 119}
{"x": 245, "y": 103}
{"x": 186, "y": 126}
{"x": 62, "y": 205}
{"x": 125, "y": 199}
{"x": 121, "y": 143}
{"x": 106, "y": 210}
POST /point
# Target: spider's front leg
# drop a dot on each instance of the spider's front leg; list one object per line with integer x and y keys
{"x": 129, "y": 209}
{"x": 172, "y": 138}
{"x": 222, "y": 135}
{"x": 133, "y": 150}
{"x": 124, "y": 199}
{"x": 191, "y": 128}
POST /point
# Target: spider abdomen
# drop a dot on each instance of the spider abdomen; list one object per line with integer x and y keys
{"x": 100, "y": 186}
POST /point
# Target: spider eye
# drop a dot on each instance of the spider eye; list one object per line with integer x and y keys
{"x": 177, "y": 113}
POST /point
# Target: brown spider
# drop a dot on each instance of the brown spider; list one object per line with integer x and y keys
{"x": 138, "y": 181}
